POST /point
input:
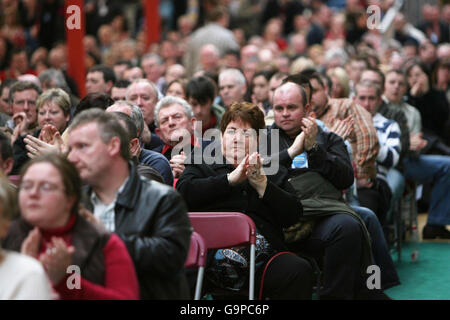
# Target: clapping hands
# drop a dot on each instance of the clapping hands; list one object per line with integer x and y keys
{"x": 255, "y": 173}
{"x": 306, "y": 139}
{"x": 177, "y": 164}
{"x": 57, "y": 259}
{"x": 416, "y": 142}
{"x": 21, "y": 126}
{"x": 49, "y": 141}
{"x": 343, "y": 128}
{"x": 250, "y": 168}
{"x": 30, "y": 246}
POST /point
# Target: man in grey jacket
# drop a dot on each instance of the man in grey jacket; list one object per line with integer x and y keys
{"x": 214, "y": 32}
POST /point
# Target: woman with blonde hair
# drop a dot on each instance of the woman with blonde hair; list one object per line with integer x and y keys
{"x": 340, "y": 82}
{"x": 53, "y": 115}
{"x": 301, "y": 64}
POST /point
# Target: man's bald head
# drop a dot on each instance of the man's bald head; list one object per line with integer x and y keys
{"x": 287, "y": 87}
{"x": 289, "y": 108}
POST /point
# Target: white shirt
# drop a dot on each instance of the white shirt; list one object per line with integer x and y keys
{"x": 105, "y": 212}
{"x": 412, "y": 114}
{"x": 23, "y": 278}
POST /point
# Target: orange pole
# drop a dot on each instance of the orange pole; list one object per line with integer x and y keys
{"x": 153, "y": 21}
{"x": 75, "y": 31}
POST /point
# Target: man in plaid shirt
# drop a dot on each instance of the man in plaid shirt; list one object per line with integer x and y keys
{"x": 363, "y": 139}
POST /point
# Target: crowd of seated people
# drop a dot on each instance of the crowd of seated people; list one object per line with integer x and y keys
{"x": 290, "y": 112}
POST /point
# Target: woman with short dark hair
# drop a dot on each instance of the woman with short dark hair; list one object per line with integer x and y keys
{"x": 238, "y": 183}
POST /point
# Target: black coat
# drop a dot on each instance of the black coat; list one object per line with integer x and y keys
{"x": 331, "y": 159}
{"x": 434, "y": 110}
{"x": 20, "y": 153}
{"x": 206, "y": 188}
{"x": 151, "y": 219}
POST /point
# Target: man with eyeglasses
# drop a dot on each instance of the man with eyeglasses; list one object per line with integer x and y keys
{"x": 5, "y": 105}
{"x": 23, "y": 96}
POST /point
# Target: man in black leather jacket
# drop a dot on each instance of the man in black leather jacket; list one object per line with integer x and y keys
{"x": 151, "y": 218}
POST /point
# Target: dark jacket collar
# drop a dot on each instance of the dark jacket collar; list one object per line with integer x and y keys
{"x": 283, "y": 133}
{"x": 130, "y": 193}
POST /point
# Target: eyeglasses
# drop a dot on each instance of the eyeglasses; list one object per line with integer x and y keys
{"x": 44, "y": 187}
{"x": 245, "y": 133}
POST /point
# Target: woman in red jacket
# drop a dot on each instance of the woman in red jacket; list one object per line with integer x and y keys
{"x": 82, "y": 260}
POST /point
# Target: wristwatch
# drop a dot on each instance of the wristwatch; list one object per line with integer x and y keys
{"x": 314, "y": 148}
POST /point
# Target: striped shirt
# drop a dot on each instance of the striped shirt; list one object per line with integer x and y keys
{"x": 363, "y": 140}
{"x": 388, "y": 132}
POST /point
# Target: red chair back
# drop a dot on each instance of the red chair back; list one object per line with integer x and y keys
{"x": 197, "y": 252}
{"x": 227, "y": 229}
{"x": 224, "y": 229}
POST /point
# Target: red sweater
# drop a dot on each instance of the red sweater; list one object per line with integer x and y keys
{"x": 120, "y": 275}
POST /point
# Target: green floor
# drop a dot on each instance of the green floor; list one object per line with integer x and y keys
{"x": 426, "y": 279}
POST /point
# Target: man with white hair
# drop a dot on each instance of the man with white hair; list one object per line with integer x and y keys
{"x": 148, "y": 157}
{"x": 443, "y": 50}
{"x": 247, "y": 52}
{"x": 153, "y": 66}
{"x": 209, "y": 58}
{"x": 175, "y": 123}
{"x": 335, "y": 57}
{"x": 145, "y": 94}
{"x": 31, "y": 78}
{"x": 174, "y": 71}
{"x": 232, "y": 86}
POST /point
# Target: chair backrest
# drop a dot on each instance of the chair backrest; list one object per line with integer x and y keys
{"x": 197, "y": 252}
{"x": 224, "y": 229}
